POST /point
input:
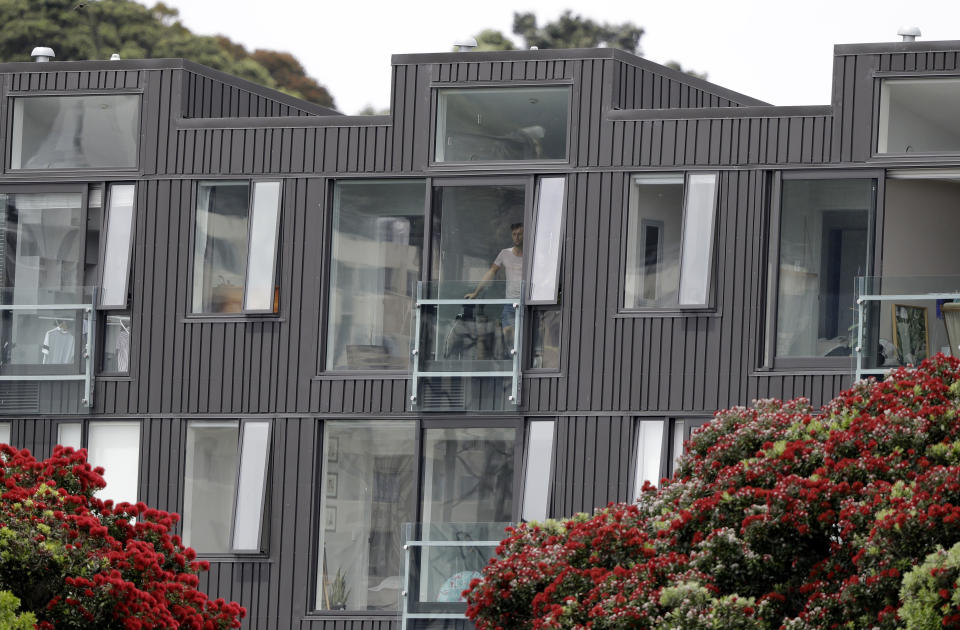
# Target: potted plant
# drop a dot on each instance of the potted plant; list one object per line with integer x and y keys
{"x": 339, "y": 593}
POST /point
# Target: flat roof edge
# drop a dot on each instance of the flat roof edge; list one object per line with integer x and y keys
{"x": 545, "y": 54}
{"x": 896, "y": 47}
{"x": 99, "y": 65}
{"x": 693, "y": 113}
{"x": 292, "y": 122}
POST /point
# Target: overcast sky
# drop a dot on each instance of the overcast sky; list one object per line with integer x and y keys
{"x": 779, "y": 52}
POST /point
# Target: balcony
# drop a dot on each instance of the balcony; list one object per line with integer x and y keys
{"x": 903, "y": 320}
{"x": 46, "y": 336}
{"x": 440, "y": 560}
{"x": 466, "y": 353}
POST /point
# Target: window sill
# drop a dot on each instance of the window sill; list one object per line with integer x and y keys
{"x": 359, "y": 615}
{"x": 114, "y": 378}
{"x": 235, "y": 558}
{"x": 231, "y": 319}
{"x": 671, "y": 312}
{"x": 542, "y": 373}
{"x": 365, "y": 375}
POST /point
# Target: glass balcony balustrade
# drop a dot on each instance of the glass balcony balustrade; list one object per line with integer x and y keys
{"x": 466, "y": 353}
{"x": 440, "y": 560}
{"x": 48, "y": 335}
{"x": 903, "y": 320}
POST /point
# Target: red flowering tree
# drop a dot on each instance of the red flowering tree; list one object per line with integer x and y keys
{"x": 780, "y": 516}
{"x": 75, "y": 561}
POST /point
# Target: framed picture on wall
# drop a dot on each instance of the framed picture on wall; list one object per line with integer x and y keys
{"x": 911, "y": 333}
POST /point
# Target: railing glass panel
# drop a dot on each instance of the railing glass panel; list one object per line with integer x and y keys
{"x": 902, "y": 320}
{"x": 440, "y": 560}
{"x": 48, "y": 335}
{"x": 466, "y": 347}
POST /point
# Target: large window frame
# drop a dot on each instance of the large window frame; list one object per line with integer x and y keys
{"x": 420, "y": 428}
{"x": 12, "y": 97}
{"x": 769, "y": 359}
{"x": 692, "y": 307}
{"x": 244, "y": 313}
{"x": 86, "y": 190}
{"x": 881, "y": 114}
{"x": 436, "y": 87}
{"x": 434, "y": 185}
{"x": 241, "y": 494}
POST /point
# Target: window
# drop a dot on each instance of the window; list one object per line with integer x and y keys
{"x": 368, "y": 491}
{"x": 502, "y": 124}
{"x": 670, "y": 234}
{"x": 116, "y": 250}
{"x": 376, "y": 261}
{"x": 73, "y": 132}
{"x": 648, "y": 465}
{"x": 225, "y": 481}
{"x": 234, "y": 261}
{"x": 539, "y": 470}
{"x": 545, "y": 343}
{"x": 4, "y": 433}
{"x": 48, "y": 256}
{"x": 545, "y": 268}
{"x": 919, "y": 116}
{"x": 825, "y": 242}
{"x": 112, "y": 444}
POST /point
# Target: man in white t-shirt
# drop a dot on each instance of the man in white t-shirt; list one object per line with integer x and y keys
{"x": 511, "y": 261}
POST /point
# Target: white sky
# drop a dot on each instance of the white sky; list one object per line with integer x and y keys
{"x": 777, "y": 51}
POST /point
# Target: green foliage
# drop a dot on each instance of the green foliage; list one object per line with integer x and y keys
{"x": 491, "y": 39}
{"x": 9, "y": 619}
{"x": 931, "y": 599}
{"x": 95, "y": 29}
{"x": 675, "y": 65}
{"x": 574, "y": 31}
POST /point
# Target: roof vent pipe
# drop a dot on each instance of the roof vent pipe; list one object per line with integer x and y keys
{"x": 466, "y": 45}
{"x": 41, "y": 54}
{"x": 115, "y": 57}
{"x": 908, "y": 33}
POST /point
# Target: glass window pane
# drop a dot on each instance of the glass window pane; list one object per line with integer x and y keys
{"x": 546, "y": 339}
{"x": 544, "y": 272}
{"x": 497, "y": 124}
{"x": 116, "y": 255}
{"x": 116, "y": 343}
{"x": 116, "y": 447}
{"x": 4, "y": 432}
{"x": 70, "y": 434}
{"x": 376, "y": 259}
{"x": 698, "y": 218}
{"x": 368, "y": 493}
{"x": 261, "y": 277}
{"x": 824, "y": 245}
{"x": 536, "y": 484}
{"x": 649, "y": 447}
{"x": 210, "y": 481}
{"x": 220, "y": 250}
{"x": 252, "y": 486}
{"x": 919, "y": 115}
{"x": 468, "y": 478}
{"x": 42, "y": 263}
{"x": 91, "y": 131}
{"x": 654, "y": 221}
{"x": 679, "y": 437}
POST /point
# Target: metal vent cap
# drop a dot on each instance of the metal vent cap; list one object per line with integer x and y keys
{"x": 42, "y": 53}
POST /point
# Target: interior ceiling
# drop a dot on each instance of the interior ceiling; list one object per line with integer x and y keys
{"x": 937, "y": 100}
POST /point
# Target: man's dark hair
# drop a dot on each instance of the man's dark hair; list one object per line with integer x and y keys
{"x": 514, "y": 226}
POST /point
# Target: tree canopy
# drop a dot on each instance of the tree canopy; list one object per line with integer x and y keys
{"x": 570, "y": 31}
{"x": 95, "y": 29}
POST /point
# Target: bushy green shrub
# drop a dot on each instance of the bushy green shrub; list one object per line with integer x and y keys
{"x": 931, "y": 599}
{"x": 10, "y": 618}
